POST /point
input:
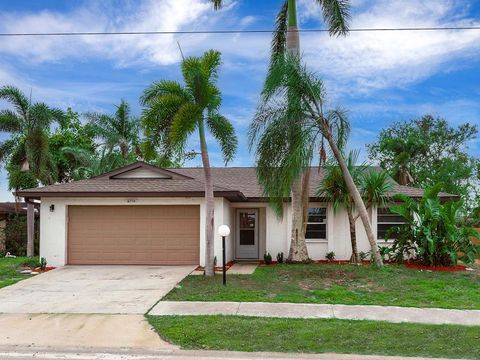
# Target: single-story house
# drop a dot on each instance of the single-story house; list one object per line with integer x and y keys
{"x": 141, "y": 214}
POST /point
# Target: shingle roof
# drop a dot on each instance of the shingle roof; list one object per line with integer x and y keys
{"x": 235, "y": 183}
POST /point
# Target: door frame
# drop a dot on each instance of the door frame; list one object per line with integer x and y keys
{"x": 237, "y": 232}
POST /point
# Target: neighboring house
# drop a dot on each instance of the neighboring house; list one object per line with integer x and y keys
{"x": 141, "y": 214}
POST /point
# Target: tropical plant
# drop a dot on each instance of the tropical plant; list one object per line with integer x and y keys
{"x": 174, "y": 111}
{"x": 71, "y": 134}
{"x": 86, "y": 164}
{"x": 285, "y": 148}
{"x": 27, "y": 153}
{"x": 118, "y": 132}
{"x": 267, "y": 258}
{"x": 286, "y": 41}
{"x": 428, "y": 150}
{"x": 434, "y": 233}
{"x": 330, "y": 256}
{"x": 374, "y": 185}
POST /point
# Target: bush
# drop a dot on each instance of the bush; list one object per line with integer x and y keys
{"x": 280, "y": 257}
{"x": 31, "y": 263}
{"x": 267, "y": 258}
{"x": 435, "y": 233}
{"x": 330, "y": 256}
{"x": 364, "y": 255}
{"x": 16, "y": 235}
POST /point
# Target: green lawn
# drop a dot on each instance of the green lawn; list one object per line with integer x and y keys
{"x": 238, "y": 333}
{"x": 8, "y": 270}
{"x": 339, "y": 284}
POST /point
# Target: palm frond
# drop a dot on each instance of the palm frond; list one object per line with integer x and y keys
{"x": 6, "y": 149}
{"x": 36, "y": 147}
{"x": 224, "y": 132}
{"x": 279, "y": 39}
{"x": 161, "y": 88}
{"x": 217, "y": 4}
{"x": 184, "y": 123}
{"x": 14, "y": 96}
{"x": 10, "y": 122}
{"x": 336, "y": 14}
{"x": 211, "y": 62}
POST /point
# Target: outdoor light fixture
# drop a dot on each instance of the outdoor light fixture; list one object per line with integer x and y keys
{"x": 224, "y": 231}
{"x": 52, "y": 208}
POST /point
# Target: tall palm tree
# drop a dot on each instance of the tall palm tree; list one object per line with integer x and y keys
{"x": 27, "y": 150}
{"x": 286, "y": 40}
{"x": 374, "y": 186}
{"x": 175, "y": 111}
{"x": 119, "y": 131}
{"x": 293, "y": 92}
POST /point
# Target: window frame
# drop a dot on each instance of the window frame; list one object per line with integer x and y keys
{"x": 324, "y": 222}
{"x": 383, "y": 240}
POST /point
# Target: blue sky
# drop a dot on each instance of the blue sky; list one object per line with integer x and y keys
{"x": 379, "y": 77}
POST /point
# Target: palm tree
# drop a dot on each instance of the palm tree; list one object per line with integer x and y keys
{"x": 119, "y": 131}
{"x": 286, "y": 40}
{"x": 27, "y": 151}
{"x": 293, "y": 92}
{"x": 374, "y": 186}
{"x": 334, "y": 189}
{"x": 87, "y": 164}
{"x": 174, "y": 111}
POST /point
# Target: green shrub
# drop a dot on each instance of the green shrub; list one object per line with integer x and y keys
{"x": 32, "y": 263}
{"x": 435, "y": 233}
{"x": 267, "y": 258}
{"x": 280, "y": 257}
{"x": 16, "y": 235}
{"x": 330, "y": 256}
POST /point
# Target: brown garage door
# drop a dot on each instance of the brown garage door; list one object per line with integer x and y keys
{"x": 148, "y": 235}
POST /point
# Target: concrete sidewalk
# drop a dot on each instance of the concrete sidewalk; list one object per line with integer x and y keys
{"x": 18, "y": 353}
{"x": 393, "y": 314}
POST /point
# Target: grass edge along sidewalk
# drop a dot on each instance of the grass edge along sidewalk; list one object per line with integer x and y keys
{"x": 338, "y": 284}
{"x": 241, "y": 333}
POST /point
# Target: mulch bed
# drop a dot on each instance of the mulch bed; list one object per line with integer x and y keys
{"x": 410, "y": 265}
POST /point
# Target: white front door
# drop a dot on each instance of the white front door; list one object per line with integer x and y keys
{"x": 246, "y": 244}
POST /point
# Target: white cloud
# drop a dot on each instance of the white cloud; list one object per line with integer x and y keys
{"x": 377, "y": 60}
{"x": 365, "y": 61}
{"x": 151, "y": 15}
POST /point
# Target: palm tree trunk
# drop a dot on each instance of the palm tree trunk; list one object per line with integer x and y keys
{"x": 357, "y": 199}
{"x": 353, "y": 236}
{"x": 298, "y": 248}
{"x": 209, "y": 205}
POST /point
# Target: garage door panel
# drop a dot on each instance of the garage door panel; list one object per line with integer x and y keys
{"x": 156, "y": 235}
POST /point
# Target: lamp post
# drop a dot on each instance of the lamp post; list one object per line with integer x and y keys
{"x": 224, "y": 231}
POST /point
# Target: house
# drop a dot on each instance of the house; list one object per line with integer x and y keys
{"x": 141, "y": 214}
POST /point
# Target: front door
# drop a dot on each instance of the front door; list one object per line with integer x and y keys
{"x": 246, "y": 244}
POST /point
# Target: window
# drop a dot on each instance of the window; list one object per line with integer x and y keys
{"x": 316, "y": 224}
{"x": 385, "y": 221}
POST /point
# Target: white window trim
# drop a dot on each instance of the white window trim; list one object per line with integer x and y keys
{"x": 323, "y": 206}
{"x": 383, "y": 240}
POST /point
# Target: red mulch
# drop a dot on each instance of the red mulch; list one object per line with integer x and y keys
{"x": 48, "y": 268}
{"x": 412, "y": 265}
{"x": 217, "y": 268}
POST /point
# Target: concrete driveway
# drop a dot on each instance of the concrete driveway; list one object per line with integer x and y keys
{"x": 92, "y": 290}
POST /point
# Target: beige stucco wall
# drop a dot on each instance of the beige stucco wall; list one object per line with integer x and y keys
{"x": 53, "y": 225}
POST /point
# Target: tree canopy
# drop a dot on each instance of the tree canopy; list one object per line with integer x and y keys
{"x": 426, "y": 151}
